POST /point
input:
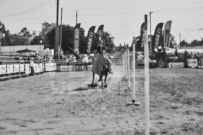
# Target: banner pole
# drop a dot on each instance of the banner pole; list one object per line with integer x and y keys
{"x": 128, "y": 58}
{"x": 146, "y": 83}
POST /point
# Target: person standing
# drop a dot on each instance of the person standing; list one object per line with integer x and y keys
{"x": 85, "y": 60}
{"x": 32, "y": 64}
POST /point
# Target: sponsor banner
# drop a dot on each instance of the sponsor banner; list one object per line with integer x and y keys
{"x": 192, "y": 63}
{"x": 50, "y": 67}
{"x": 36, "y": 68}
{"x": 40, "y": 67}
{"x": 166, "y": 34}
{"x": 27, "y": 69}
{"x": 22, "y": 68}
{"x": 16, "y": 68}
{"x": 157, "y": 36}
{"x": 100, "y": 31}
{"x": 64, "y": 68}
{"x": 142, "y": 34}
{"x": 43, "y": 67}
{"x": 2, "y": 69}
{"x": 90, "y": 37}
{"x": 201, "y": 61}
{"x": 76, "y": 36}
{"x": 9, "y": 69}
{"x": 176, "y": 64}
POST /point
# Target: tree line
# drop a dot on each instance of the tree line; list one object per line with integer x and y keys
{"x": 25, "y": 37}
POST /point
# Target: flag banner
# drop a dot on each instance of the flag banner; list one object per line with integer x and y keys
{"x": 166, "y": 34}
{"x": 76, "y": 36}
{"x": 157, "y": 36}
{"x": 90, "y": 38}
{"x": 142, "y": 32}
{"x": 100, "y": 33}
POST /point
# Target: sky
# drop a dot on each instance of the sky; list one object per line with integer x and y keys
{"x": 121, "y": 18}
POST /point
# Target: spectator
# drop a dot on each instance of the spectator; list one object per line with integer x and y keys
{"x": 91, "y": 58}
{"x": 85, "y": 61}
{"x": 32, "y": 64}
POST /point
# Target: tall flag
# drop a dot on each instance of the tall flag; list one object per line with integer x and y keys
{"x": 166, "y": 34}
{"x": 100, "y": 33}
{"x": 142, "y": 34}
{"x": 157, "y": 36}
{"x": 90, "y": 38}
{"x": 77, "y": 36}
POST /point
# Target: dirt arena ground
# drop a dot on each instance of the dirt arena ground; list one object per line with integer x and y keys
{"x": 61, "y": 104}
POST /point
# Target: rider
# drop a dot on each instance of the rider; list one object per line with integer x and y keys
{"x": 102, "y": 59}
{"x": 106, "y": 58}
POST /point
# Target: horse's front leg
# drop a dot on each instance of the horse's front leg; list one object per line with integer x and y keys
{"x": 93, "y": 75}
{"x": 102, "y": 82}
{"x": 106, "y": 75}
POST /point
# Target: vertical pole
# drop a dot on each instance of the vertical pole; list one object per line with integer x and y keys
{"x": 126, "y": 69}
{"x": 124, "y": 56}
{"x": 146, "y": 83}
{"x": 123, "y": 60}
{"x": 134, "y": 60}
{"x": 180, "y": 38}
{"x": 151, "y": 49}
{"x": 128, "y": 65}
{"x": 76, "y": 17}
{"x": 56, "y": 31}
{"x": 61, "y": 28}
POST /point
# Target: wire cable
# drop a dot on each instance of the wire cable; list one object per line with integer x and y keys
{"x": 29, "y": 10}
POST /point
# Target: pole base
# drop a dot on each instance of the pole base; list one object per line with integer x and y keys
{"x": 135, "y": 103}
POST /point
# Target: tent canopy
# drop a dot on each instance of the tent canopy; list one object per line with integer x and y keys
{"x": 25, "y": 51}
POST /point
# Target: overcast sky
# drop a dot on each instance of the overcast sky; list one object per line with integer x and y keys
{"x": 121, "y": 18}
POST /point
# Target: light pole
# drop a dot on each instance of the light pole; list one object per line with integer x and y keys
{"x": 56, "y": 31}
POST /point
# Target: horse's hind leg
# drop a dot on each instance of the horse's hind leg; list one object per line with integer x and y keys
{"x": 105, "y": 79}
{"x": 100, "y": 77}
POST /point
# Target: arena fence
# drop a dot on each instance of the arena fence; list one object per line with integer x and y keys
{"x": 17, "y": 70}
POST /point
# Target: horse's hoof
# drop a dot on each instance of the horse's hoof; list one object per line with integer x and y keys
{"x": 92, "y": 86}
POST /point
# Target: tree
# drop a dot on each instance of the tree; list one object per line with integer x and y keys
{"x": 184, "y": 43}
{"x": 18, "y": 40}
{"x": 6, "y": 39}
{"x": 201, "y": 42}
{"x": 24, "y": 32}
{"x": 68, "y": 39}
{"x": 195, "y": 43}
{"x": 37, "y": 40}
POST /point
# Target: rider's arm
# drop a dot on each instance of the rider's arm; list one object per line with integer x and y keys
{"x": 108, "y": 59}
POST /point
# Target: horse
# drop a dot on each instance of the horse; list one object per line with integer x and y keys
{"x": 104, "y": 71}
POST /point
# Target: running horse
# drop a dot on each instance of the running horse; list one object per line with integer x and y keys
{"x": 100, "y": 66}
